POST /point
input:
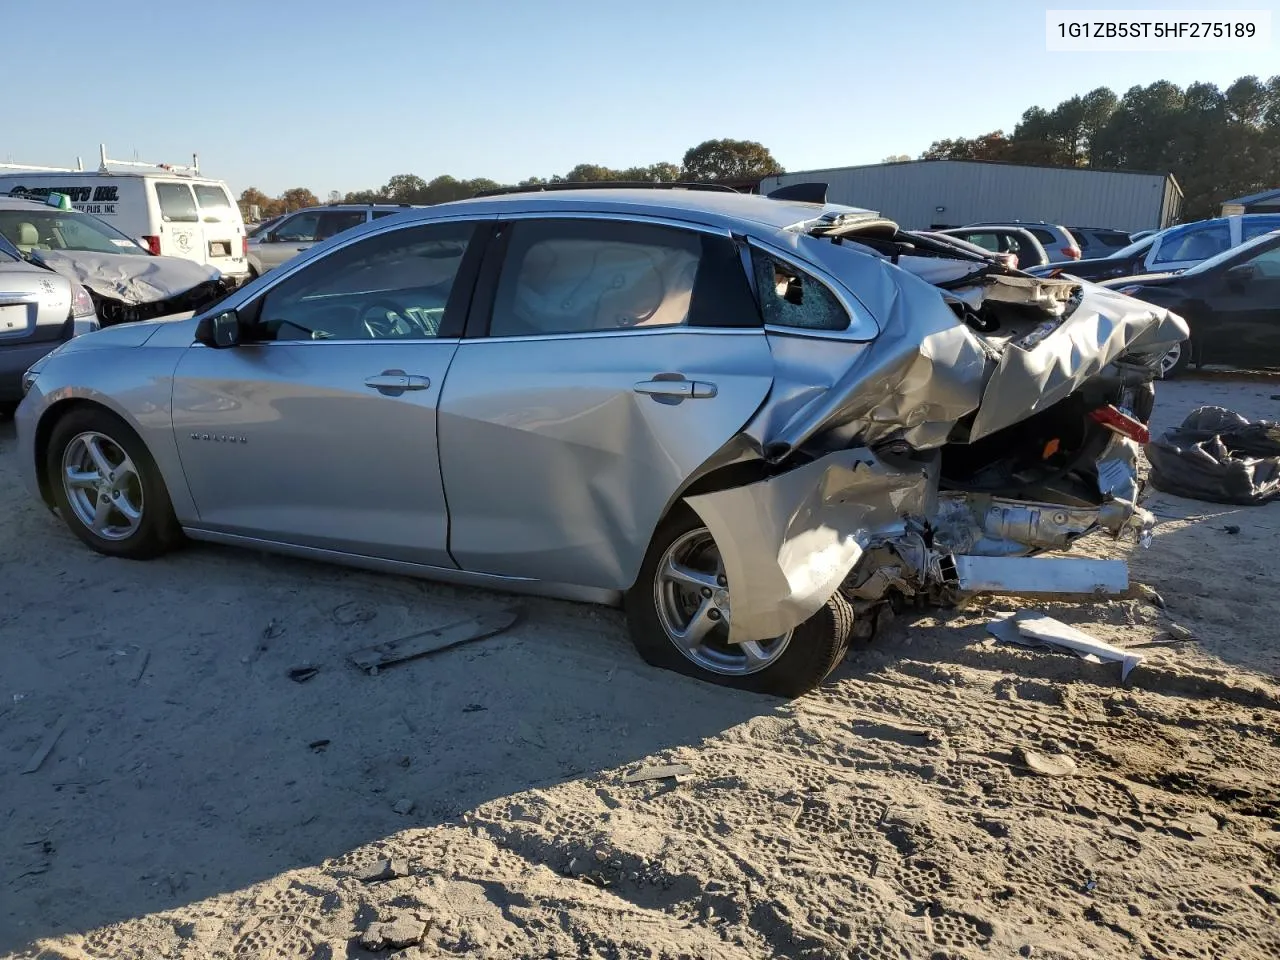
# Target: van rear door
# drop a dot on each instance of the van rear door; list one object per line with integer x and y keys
{"x": 181, "y": 232}
{"x": 223, "y": 229}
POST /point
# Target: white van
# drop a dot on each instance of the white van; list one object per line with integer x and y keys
{"x": 170, "y": 210}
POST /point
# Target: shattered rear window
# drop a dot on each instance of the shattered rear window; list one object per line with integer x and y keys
{"x": 789, "y": 297}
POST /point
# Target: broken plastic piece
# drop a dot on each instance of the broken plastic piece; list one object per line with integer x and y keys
{"x": 1041, "y": 575}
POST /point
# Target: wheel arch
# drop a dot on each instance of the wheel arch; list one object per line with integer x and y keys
{"x": 61, "y": 409}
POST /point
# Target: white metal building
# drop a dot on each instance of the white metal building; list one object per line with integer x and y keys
{"x": 947, "y": 193}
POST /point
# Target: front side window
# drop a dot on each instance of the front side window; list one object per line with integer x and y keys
{"x": 177, "y": 205}
{"x": 987, "y": 241}
{"x": 394, "y": 286}
{"x": 590, "y": 276}
{"x": 1199, "y": 243}
{"x": 302, "y": 228}
{"x": 215, "y": 205}
{"x": 789, "y": 297}
{"x": 1266, "y": 265}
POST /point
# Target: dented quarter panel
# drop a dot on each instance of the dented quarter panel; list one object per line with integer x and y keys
{"x": 789, "y": 542}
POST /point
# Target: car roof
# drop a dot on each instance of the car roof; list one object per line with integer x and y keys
{"x": 350, "y": 206}
{"x": 712, "y": 208}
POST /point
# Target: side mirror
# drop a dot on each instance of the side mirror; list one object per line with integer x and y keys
{"x": 219, "y": 331}
{"x": 1241, "y": 274}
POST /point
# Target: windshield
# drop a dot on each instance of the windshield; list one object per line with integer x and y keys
{"x": 1226, "y": 255}
{"x": 1137, "y": 247}
{"x": 38, "y": 229}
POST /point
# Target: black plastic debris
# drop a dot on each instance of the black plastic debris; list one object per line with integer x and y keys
{"x": 1218, "y": 456}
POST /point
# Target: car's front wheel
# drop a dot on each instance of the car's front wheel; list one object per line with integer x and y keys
{"x": 107, "y": 487}
{"x": 678, "y": 616}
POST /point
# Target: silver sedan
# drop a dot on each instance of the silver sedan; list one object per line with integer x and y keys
{"x": 751, "y": 421}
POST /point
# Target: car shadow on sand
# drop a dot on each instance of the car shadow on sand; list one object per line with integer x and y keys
{"x": 192, "y": 764}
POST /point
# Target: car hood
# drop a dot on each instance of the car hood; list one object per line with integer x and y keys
{"x": 128, "y": 278}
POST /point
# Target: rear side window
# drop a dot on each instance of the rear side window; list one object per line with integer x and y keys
{"x": 215, "y": 205}
{"x": 338, "y": 220}
{"x": 379, "y": 214}
{"x": 1113, "y": 240}
{"x": 1251, "y": 228}
{"x": 177, "y": 205}
{"x": 789, "y": 297}
{"x": 587, "y": 276}
{"x": 1046, "y": 237}
{"x": 1196, "y": 244}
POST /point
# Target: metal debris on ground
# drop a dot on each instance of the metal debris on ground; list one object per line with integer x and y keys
{"x": 670, "y": 771}
{"x": 435, "y": 640}
{"x": 1030, "y": 628}
{"x": 381, "y": 870}
{"x": 401, "y": 931}
{"x": 46, "y": 746}
{"x": 1045, "y": 764}
{"x": 1149, "y": 594}
{"x": 303, "y": 673}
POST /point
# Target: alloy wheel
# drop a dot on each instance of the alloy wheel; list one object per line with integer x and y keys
{"x": 691, "y": 596}
{"x": 102, "y": 486}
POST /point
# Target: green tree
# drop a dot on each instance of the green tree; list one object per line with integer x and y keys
{"x": 296, "y": 198}
{"x": 714, "y": 160}
{"x": 253, "y": 197}
{"x": 896, "y": 158}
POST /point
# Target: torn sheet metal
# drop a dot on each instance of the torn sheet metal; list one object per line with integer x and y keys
{"x": 1014, "y": 575}
{"x": 1218, "y": 456}
{"x": 129, "y": 278}
{"x": 1038, "y": 369}
{"x": 790, "y": 541}
{"x": 928, "y": 370}
{"x": 1041, "y": 629}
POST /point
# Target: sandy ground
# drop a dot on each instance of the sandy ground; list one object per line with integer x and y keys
{"x": 202, "y": 804}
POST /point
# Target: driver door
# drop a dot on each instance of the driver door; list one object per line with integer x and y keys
{"x": 319, "y": 429}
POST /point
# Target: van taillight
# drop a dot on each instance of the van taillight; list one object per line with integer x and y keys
{"x": 244, "y": 246}
{"x": 153, "y": 244}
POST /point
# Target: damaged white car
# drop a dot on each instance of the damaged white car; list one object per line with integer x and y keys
{"x": 126, "y": 281}
{"x": 751, "y": 421}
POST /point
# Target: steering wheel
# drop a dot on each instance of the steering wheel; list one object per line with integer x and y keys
{"x": 383, "y": 320}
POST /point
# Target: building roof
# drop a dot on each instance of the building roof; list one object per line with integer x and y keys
{"x": 1265, "y": 196}
{"x": 989, "y": 163}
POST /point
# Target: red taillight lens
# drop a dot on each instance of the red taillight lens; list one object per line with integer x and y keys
{"x": 1071, "y": 253}
{"x": 244, "y": 246}
{"x": 1013, "y": 261}
{"x": 153, "y": 244}
{"x": 1120, "y": 422}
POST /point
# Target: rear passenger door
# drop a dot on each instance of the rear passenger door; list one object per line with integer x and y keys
{"x": 611, "y": 360}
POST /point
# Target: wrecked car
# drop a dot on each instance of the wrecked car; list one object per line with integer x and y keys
{"x": 750, "y": 421}
{"x": 126, "y": 281}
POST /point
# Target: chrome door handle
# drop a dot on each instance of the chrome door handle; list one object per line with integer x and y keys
{"x": 397, "y": 381}
{"x": 677, "y": 389}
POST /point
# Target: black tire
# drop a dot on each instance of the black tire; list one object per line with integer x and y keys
{"x": 157, "y": 530}
{"x": 815, "y": 649}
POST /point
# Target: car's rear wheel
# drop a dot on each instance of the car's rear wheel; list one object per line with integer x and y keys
{"x": 107, "y": 487}
{"x": 678, "y": 615}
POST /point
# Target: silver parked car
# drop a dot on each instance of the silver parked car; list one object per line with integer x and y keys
{"x": 293, "y": 233}
{"x": 39, "y": 309}
{"x": 750, "y": 420}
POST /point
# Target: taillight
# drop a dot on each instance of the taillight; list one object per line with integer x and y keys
{"x": 1117, "y": 421}
{"x": 1072, "y": 252}
{"x": 244, "y": 246}
{"x": 1013, "y": 261}
{"x": 153, "y": 244}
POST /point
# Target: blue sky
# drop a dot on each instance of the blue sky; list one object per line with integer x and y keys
{"x": 330, "y": 94}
